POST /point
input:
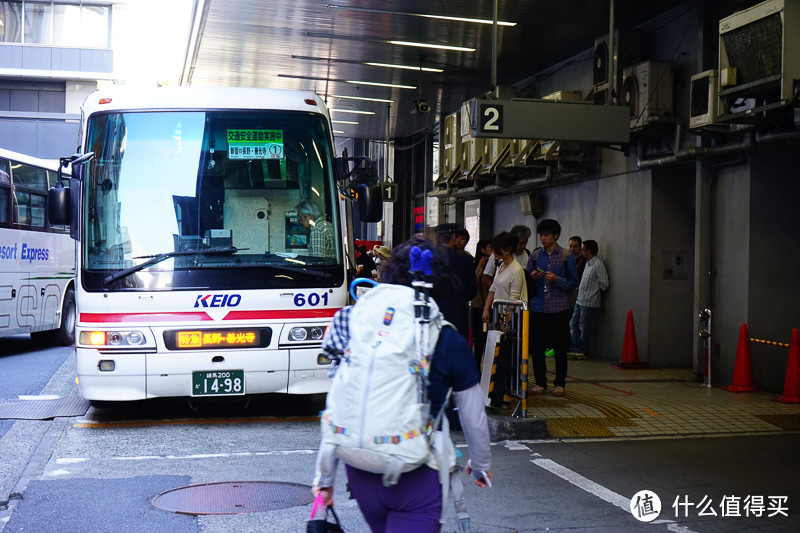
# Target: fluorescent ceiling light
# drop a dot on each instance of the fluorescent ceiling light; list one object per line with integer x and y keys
{"x": 405, "y": 67}
{"x": 430, "y": 45}
{"x": 352, "y": 111}
{"x": 377, "y": 84}
{"x": 370, "y": 63}
{"x": 337, "y": 131}
{"x": 344, "y": 122}
{"x": 424, "y": 15}
{"x": 388, "y": 41}
{"x": 355, "y": 82}
{"x": 364, "y": 98}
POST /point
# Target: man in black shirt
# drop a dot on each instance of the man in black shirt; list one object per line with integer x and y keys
{"x": 455, "y": 305}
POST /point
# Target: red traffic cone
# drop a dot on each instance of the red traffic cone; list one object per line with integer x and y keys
{"x": 791, "y": 385}
{"x": 630, "y": 353}
{"x": 742, "y": 371}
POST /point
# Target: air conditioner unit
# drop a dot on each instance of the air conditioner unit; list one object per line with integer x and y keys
{"x": 564, "y": 96}
{"x": 451, "y": 143}
{"x": 703, "y": 99}
{"x": 472, "y": 150}
{"x": 761, "y": 46}
{"x": 495, "y": 149}
{"x": 627, "y": 51}
{"x": 521, "y": 150}
{"x": 647, "y": 90}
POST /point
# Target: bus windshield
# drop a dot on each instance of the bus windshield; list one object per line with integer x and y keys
{"x": 181, "y": 186}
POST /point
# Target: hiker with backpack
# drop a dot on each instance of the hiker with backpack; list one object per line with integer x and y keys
{"x": 397, "y": 365}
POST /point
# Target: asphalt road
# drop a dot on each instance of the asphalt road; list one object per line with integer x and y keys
{"x": 102, "y": 471}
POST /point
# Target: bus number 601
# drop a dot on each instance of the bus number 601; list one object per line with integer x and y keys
{"x": 312, "y": 299}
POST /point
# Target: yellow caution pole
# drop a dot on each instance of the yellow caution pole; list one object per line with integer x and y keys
{"x": 525, "y": 336}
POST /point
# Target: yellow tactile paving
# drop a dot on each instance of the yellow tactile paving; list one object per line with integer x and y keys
{"x": 604, "y": 401}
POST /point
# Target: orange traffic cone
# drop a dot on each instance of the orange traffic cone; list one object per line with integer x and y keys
{"x": 630, "y": 353}
{"x": 791, "y": 385}
{"x": 742, "y": 372}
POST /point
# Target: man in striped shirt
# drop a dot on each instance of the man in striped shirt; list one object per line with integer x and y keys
{"x": 594, "y": 280}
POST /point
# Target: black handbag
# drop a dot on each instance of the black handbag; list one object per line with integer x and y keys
{"x": 323, "y": 526}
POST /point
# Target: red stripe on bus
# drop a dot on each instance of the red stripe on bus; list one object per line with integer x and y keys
{"x": 281, "y": 313}
{"x": 149, "y": 317}
{"x": 203, "y": 316}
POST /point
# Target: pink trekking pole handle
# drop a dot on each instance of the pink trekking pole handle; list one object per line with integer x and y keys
{"x": 318, "y": 501}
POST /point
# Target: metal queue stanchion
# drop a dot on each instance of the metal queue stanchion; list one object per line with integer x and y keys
{"x": 508, "y": 328}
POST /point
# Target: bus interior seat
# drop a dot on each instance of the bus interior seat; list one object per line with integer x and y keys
{"x": 247, "y": 217}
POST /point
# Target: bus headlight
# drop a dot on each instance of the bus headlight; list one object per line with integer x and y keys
{"x": 298, "y": 334}
{"x": 307, "y": 333}
{"x": 112, "y": 338}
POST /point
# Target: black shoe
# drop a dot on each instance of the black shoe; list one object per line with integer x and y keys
{"x": 494, "y": 407}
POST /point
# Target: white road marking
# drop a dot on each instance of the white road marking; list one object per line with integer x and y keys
{"x": 600, "y": 491}
{"x": 38, "y": 397}
{"x": 72, "y": 460}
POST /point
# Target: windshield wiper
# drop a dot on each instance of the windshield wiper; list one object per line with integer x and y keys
{"x": 222, "y": 250}
{"x": 293, "y": 271}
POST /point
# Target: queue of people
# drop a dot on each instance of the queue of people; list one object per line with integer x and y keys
{"x": 550, "y": 279}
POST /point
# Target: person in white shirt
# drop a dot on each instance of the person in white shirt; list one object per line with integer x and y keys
{"x": 509, "y": 284}
{"x": 521, "y": 254}
{"x": 594, "y": 280}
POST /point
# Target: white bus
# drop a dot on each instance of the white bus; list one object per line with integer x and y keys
{"x": 211, "y": 254}
{"x": 37, "y": 260}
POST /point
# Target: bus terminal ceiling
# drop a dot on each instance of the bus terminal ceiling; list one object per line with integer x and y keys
{"x": 319, "y": 46}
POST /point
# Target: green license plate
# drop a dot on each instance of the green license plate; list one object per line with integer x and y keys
{"x": 217, "y": 382}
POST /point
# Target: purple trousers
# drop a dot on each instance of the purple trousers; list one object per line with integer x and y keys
{"x": 414, "y": 504}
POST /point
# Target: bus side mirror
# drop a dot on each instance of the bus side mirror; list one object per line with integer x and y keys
{"x": 370, "y": 203}
{"x": 58, "y": 204}
{"x": 341, "y": 168}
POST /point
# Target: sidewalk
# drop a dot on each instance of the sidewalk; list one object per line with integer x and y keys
{"x": 604, "y": 401}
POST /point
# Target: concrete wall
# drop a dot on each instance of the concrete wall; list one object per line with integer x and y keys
{"x": 730, "y": 265}
{"x": 56, "y": 58}
{"x": 41, "y": 118}
{"x": 671, "y": 312}
{"x": 616, "y": 212}
{"x": 44, "y": 139}
{"x": 773, "y": 306}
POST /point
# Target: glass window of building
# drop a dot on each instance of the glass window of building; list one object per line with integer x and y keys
{"x": 39, "y": 22}
{"x": 10, "y": 22}
{"x": 78, "y": 24}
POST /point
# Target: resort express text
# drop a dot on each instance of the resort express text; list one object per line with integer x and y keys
{"x": 27, "y": 252}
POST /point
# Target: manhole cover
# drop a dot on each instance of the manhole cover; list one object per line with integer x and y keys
{"x": 233, "y": 497}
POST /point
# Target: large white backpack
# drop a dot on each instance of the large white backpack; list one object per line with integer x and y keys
{"x": 377, "y": 417}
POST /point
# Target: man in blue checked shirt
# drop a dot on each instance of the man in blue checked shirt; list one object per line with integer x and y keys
{"x": 321, "y": 237}
{"x": 552, "y": 269}
{"x": 594, "y": 280}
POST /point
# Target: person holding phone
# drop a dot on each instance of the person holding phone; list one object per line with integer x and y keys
{"x": 554, "y": 275}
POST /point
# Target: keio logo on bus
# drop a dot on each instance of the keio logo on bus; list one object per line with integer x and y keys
{"x": 218, "y": 300}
